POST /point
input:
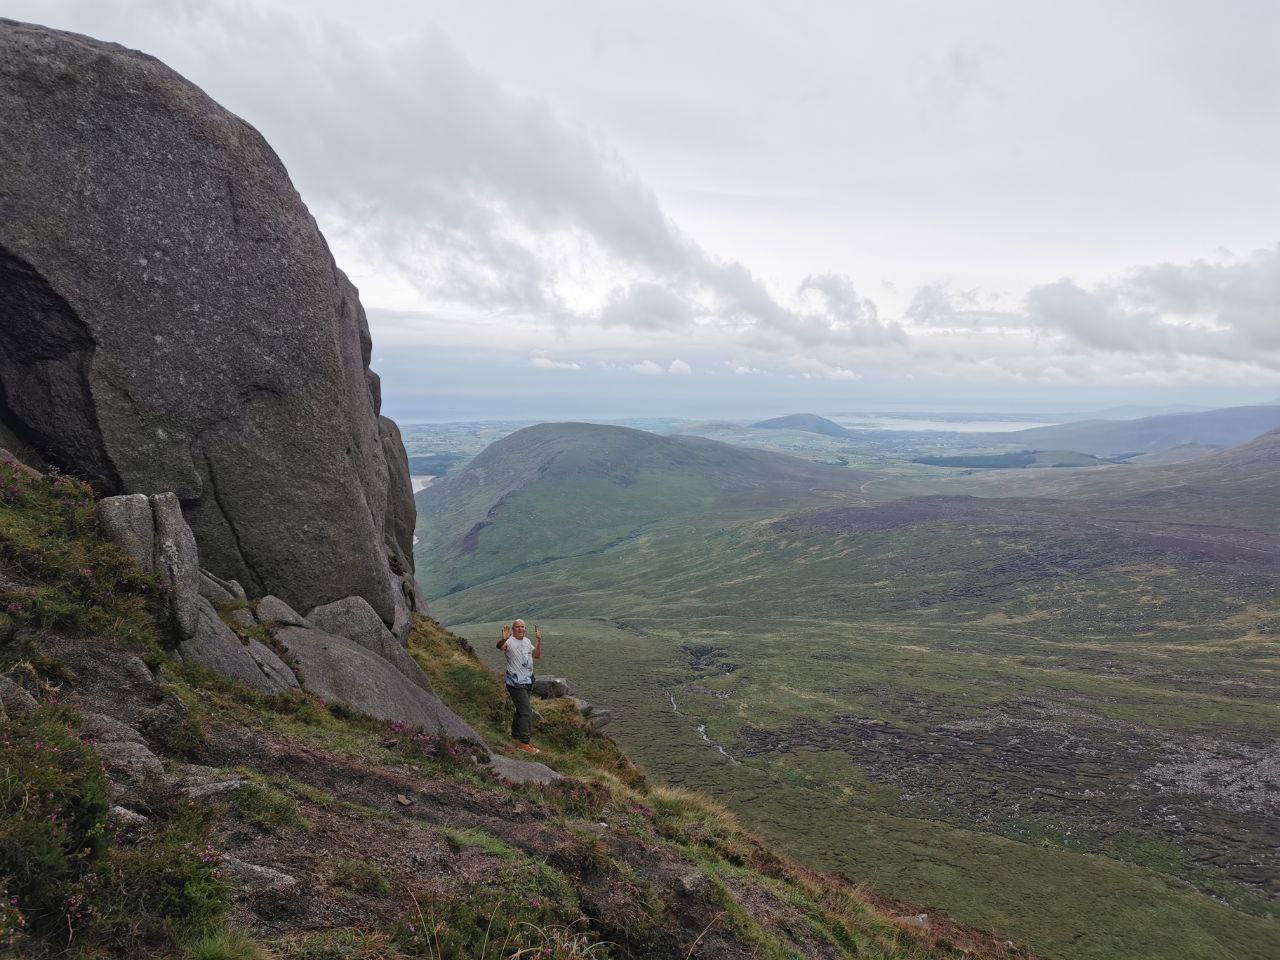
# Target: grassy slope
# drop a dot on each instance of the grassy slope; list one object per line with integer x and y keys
{"x": 1107, "y": 654}
{"x": 405, "y": 848}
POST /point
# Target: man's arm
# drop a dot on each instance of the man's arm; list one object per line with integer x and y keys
{"x": 506, "y": 635}
{"x": 537, "y": 647}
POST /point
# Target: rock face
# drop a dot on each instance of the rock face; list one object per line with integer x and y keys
{"x": 172, "y": 320}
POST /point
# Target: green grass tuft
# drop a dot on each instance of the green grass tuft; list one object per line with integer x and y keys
{"x": 267, "y": 808}
{"x": 224, "y": 945}
{"x": 471, "y": 838}
{"x": 359, "y": 876}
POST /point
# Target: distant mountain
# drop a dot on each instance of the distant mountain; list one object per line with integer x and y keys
{"x": 1113, "y": 438}
{"x": 808, "y": 422}
{"x": 1129, "y": 412}
{"x": 564, "y": 489}
{"x": 1236, "y": 487}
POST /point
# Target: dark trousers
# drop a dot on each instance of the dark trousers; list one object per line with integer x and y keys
{"x": 522, "y": 722}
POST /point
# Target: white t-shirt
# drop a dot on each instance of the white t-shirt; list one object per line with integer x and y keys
{"x": 519, "y": 662}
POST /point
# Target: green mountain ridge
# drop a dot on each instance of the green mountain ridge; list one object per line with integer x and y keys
{"x": 809, "y": 422}
{"x": 594, "y": 486}
{"x": 979, "y": 698}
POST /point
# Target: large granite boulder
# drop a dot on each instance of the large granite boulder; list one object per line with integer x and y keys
{"x": 172, "y": 320}
{"x": 216, "y": 646}
{"x": 341, "y": 671}
{"x": 354, "y": 619}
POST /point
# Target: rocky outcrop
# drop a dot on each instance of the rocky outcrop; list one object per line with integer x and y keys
{"x": 173, "y": 321}
{"x": 340, "y": 670}
{"x": 549, "y": 688}
{"x": 354, "y": 619}
{"x": 153, "y": 532}
{"x": 341, "y": 651}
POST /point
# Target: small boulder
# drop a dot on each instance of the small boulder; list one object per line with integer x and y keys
{"x": 919, "y": 922}
{"x": 551, "y": 687}
{"x": 353, "y": 618}
{"x": 255, "y": 877}
{"x": 341, "y": 671}
{"x": 217, "y": 647}
{"x": 13, "y": 461}
{"x": 199, "y": 782}
{"x": 124, "y": 817}
{"x": 16, "y": 701}
{"x": 274, "y": 610}
{"x": 273, "y": 668}
{"x": 216, "y": 590}
{"x": 106, "y": 729}
{"x": 127, "y": 522}
{"x": 140, "y": 673}
{"x": 177, "y": 562}
{"x": 129, "y": 761}
{"x": 521, "y": 771}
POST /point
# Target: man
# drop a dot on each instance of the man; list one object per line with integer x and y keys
{"x": 521, "y": 652}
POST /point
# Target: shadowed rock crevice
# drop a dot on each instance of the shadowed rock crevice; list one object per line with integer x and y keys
{"x": 45, "y": 355}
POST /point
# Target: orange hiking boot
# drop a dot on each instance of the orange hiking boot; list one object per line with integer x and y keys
{"x": 527, "y": 747}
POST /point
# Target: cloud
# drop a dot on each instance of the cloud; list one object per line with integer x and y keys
{"x": 483, "y": 216}
{"x": 1224, "y": 310}
{"x": 940, "y": 306}
{"x": 647, "y": 368}
{"x": 426, "y": 172}
{"x": 546, "y": 363}
{"x": 647, "y": 306}
{"x": 833, "y": 311}
{"x": 813, "y": 369}
{"x": 961, "y": 77}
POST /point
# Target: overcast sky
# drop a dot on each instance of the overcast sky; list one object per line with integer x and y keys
{"x": 741, "y": 208}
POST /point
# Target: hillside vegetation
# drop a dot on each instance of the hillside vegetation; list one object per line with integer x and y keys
{"x": 1030, "y": 710}
{"x": 153, "y": 809}
{"x": 1110, "y": 438}
{"x": 592, "y": 487}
